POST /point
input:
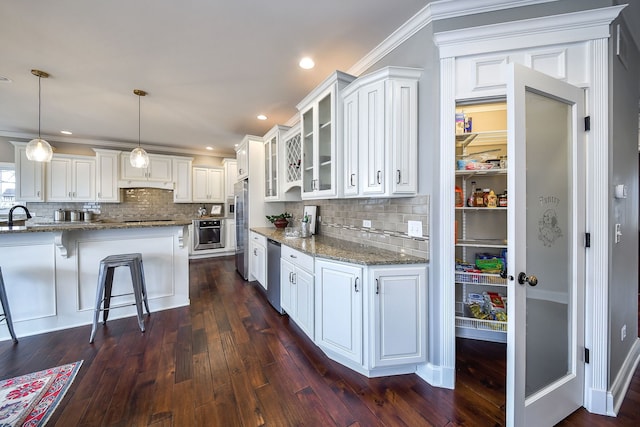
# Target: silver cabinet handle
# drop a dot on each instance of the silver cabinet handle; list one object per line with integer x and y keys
{"x": 293, "y": 275}
{"x": 378, "y": 176}
{"x": 255, "y": 252}
{"x": 293, "y": 256}
{"x": 69, "y": 195}
{"x": 351, "y": 179}
{"x": 377, "y": 287}
{"x": 398, "y": 179}
{"x": 355, "y": 285}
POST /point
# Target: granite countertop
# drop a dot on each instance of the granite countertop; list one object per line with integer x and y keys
{"x": 339, "y": 250}
{"x": 45, "y": 225}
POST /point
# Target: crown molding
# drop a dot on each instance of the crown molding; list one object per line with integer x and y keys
{"x": 548, "y": 30}
{"x": 434, "y": 11}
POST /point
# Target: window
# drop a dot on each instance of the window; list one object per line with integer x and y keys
{"x": 7, "y": 187}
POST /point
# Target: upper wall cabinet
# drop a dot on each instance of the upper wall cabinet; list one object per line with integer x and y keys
{"x": 208, "y": 184}
{"x": 182, "y": 177}
{"x": 230, "y": 176}
{"x": 71, "y": 178}
{"x": 29, "y": 176}
{"x": 107, "y": 173}
{"x": 158, "y": 174}
{"x": 292, "y": 159}
{"x": 381, "y": 134}
{"x": 242, "y": 157}
{"x": 272, "y": 169}
{"x": 320, "y": 119}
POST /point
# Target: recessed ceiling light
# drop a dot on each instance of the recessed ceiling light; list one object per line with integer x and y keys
{"x": 209, "y": 148}
{"x": 4, "y": 79}
{"x": 262, "y": 117}
{"x": 66, "y": 132}
{"x": 306, "y": 63}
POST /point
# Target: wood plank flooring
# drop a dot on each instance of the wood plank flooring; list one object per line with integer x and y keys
{"x": 230, "y": 360}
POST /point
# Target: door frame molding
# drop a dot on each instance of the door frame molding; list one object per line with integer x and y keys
{"x": 591, "y": 27}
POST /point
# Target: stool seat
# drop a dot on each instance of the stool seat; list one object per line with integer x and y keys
{"x": 6, "y": 314}
{"x": 105, "y": 284}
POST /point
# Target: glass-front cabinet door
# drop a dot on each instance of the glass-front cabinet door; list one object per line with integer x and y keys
{"x": 319, "y": 115}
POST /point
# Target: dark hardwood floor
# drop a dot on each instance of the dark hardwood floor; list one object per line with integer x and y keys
{"x": 230, "y": 360}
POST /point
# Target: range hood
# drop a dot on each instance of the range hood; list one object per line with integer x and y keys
{"x": 142, "y": 183}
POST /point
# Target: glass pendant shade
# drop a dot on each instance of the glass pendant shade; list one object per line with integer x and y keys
{"x": 139, "y": 158}
{"x": 39, "y": 150}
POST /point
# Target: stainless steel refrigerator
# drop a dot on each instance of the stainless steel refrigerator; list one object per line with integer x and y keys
{"x": 241, "y": 202}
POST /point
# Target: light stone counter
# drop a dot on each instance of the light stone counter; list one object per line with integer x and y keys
{"x": 42, "y": 225}
{"x": 339, "y": 250}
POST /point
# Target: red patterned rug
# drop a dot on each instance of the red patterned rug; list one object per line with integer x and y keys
{"x": 29, "y": 400}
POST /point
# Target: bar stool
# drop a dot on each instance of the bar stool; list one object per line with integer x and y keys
{"x": 6, "y": 315}
{"x": 105, "y": 284}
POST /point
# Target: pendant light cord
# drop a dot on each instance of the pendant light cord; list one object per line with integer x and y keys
{"x": 138, "y": 121}
{"x": 39, "y": 104}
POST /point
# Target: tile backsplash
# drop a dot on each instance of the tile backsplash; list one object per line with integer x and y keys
{"x": 343, "y": 219}
{"x": 135, "y": 203}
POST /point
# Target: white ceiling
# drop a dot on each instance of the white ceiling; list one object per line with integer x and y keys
{"x": 209, "y": 66}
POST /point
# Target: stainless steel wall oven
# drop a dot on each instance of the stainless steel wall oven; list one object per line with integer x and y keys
{"x": 208, "y": 234}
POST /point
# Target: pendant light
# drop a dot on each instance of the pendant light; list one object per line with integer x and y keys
{"x": 139, "y": 158}
{"x": 38, "y": 149}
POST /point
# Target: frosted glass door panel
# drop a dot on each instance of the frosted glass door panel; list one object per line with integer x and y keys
{"x": 548, "y": 200}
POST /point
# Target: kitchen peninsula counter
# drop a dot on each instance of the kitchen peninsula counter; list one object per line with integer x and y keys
{"x": 44, "y": 226}
{"x": 51, "y": 270}
{"x": 339, "y": 250}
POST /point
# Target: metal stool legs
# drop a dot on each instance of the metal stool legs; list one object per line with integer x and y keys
{"x": 5, "y": 308}
{"x": 105, "y": 286}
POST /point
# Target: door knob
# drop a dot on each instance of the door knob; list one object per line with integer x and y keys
{"x": 531, "y": 280}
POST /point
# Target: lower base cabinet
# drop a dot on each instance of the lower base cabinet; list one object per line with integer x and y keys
{"x": 339, "y": 309}
{"x": 372, "y": 318}
{"x": 297, "y": 295}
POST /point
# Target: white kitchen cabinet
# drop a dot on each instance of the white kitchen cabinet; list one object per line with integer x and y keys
{"x": 321, "y": 118}
{"x": 399, "y": 315}
{"x": 272, "y": 163}
{"x": 339, "y": 309}
{"x": 183, "y": 180}
{"x": 107, "y": 173}
{"x": 230, "y": 176}
{"x": 208, "y": 185}
{"x": 242, "y": 157}
{"x": 258, "y": 258}
{"x": 230, "y": 234}
{"x": 372, "y": 318}
{"x": 297, "y": 293}
{"x": 160, "y": 170}
{"x": 71, "y": 178}
{"x": 292, "y": 157}
{"x": 381, "y": 134}
{"x": 29, "y": 176}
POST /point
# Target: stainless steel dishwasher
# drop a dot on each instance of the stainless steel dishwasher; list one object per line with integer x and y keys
{"x": 273, "y": 274}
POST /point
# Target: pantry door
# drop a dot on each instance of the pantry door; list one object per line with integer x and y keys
{"x": 546, "y": 225}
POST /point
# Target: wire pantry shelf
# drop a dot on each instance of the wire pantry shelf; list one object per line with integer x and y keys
{"x": 489, "y": 325}
{"x": 480, "y": 278}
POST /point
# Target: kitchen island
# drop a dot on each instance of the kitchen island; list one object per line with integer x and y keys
{"x": 50, "y": 270}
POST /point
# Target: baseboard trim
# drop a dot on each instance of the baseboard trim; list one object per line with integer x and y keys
{"x": 615, "y": 395}
{"x": 437, "y": 376}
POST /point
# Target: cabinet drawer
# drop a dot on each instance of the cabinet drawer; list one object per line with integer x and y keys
{"x": 259, "y": 238}
{"x": 297, "y": 258}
